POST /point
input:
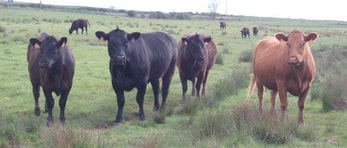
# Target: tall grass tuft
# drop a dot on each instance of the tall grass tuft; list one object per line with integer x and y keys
{"x": 246, "y": 56}
{"x": 58, "y": 136}
{"x": 214, "y": 124}
{"x": 219, "y": 59}
{"x": 332, "y": 88}
{"x": 231, "y": 85}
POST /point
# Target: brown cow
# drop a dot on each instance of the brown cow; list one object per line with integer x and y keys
{"x": 51, "y": 65}
{"x": 196, "y": 55}
{"x": 80, "y": 23}
{"x": 245, "y": 32}
{"x": 281, "y": 64}
{"x": 255, "y": 31}
{"x": 222, "y": 26}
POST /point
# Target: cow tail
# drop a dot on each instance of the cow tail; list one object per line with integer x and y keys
{"x": 250, "y": 88}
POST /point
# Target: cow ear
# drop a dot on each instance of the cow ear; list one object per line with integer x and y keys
{"x": 185, "y": 41}
{"x": 207, "y": 40}
{"x": 311, "y": 37}
{"x": 35, "y": 42}
{"x": 62, "y": 42}
{"x": 281, "y": 36}
{"x": 101, "y": 35}
{"x": 134, "y": 36}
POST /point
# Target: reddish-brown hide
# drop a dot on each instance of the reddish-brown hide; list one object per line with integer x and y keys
{"x": 284, "y": 63}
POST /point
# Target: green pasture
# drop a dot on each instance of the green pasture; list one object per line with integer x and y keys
{"x": 91, "y": 106}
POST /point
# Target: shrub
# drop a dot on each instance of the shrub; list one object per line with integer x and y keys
{"x": 159, "y": 118}
{"x": 232, "y": 83}
{"x": 219, "y": 59}
{"x": 2, "y": 29}
{"x": 246, "y": 56}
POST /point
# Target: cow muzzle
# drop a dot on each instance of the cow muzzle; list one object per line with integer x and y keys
{"x": 45, "y": 64}
{"x": 119, "y": 60}
{"x": 293, "y": 60}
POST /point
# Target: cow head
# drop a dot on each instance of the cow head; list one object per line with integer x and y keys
{"x": 195, "y": 46}
{"x": 296, "y": 42}
{"x": 49, "y": 50}
{"x": 70, "y": 31}
{"x": 118, "y": 44}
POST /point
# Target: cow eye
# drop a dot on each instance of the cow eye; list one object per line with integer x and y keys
{"x": 288, "y": 45}
{"x": 125, "y": 43}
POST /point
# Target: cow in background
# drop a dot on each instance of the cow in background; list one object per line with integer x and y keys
{"x": 284, "y": 63}
{"x": 197, "y": 54}
{"x": 255, "y": 30}
{"x": 245, "y": 32}
{"x": 80, "y": 23}
{"x": 222, "y": 26}
{"x": 137, "y": 59}
{"x": 51, "y": 65}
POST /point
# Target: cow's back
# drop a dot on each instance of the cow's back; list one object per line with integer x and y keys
{"x": 162, "y": 51}
{"x": 266, "y": 56}
{"x": 211, "y": 52}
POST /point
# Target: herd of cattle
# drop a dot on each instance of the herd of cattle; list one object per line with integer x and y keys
{"x": 281, "y": 63}
{"x": 244, "y": 31}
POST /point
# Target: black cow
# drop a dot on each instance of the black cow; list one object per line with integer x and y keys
{"x": 80, "y": 23}
{"x": 137, "y": 59}
{"x": 51, "y": 65}
{"x": 255, "y": 31}
{"x": 245, "y": 32}
{"x": 222, "y": 25}
{"x": 197, "y": 54}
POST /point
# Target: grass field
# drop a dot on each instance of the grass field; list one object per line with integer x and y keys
{"x": 210, "y": 122}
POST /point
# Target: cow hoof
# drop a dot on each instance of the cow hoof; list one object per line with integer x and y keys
{"x": 37, "y": 111}
{"x": 117, "y": 124}
{"x": 49, "y": 123}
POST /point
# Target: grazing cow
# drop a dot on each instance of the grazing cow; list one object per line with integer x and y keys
{"x": 255, "y": 31}
{"x": 196, "y": 55}
{"x": 51, "y": 65}
{"x": 222, "y": 25}
{"x": 281, "y": 64}
{"x": 80, "y": 23}
{"x": 137, "y": 59}
{"x": 245, "y": 32}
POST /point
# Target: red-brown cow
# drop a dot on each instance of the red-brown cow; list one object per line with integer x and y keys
{"x": 281, "y": 64}
{"x": 196, "y": 55}
{"x": 51, "y": 64}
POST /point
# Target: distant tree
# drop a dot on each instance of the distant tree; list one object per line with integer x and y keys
{"x": 213, "y": 6}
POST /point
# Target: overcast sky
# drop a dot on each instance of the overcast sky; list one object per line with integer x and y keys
{"x": 306, "y": 9}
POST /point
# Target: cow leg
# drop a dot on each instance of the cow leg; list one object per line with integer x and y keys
{"x": 50, "y": 105}
{"x": 273, "y": 94}
{"x": 204, "y": 83}
{"x": 166, "y": 80}
{"x": 82, "y": 30}
{"x": 141, "y": 90}
{"x": 301, "y": 105}
{"x": 193, "y": 87}
{"x": 36, "y": 94}
{"x": 62, "y": 104}
{"x": 184, "y": 90}
{"x": 86, "y": 30}
{"x": 260, "y": 96}
{"x": 77, "y": 31}
{"x": 198, "y": 84}
{"x": 155, "y": 88}
{"x": 120, "y": 103}
{"x": 283, "y": 98}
